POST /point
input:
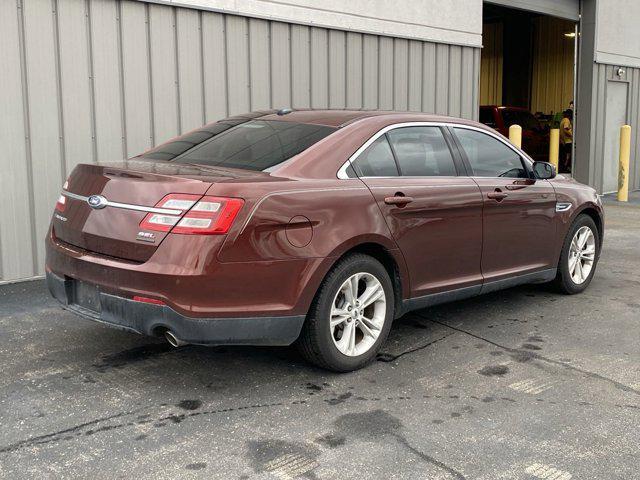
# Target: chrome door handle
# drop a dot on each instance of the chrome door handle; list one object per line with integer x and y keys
{"x": 497, "y": 195}
{"x": 398, "y": 200}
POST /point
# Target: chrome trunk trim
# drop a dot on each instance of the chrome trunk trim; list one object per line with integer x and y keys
{"x": 126, "y": 206}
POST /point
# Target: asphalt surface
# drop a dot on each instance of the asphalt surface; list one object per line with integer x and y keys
{"x": 520, "y": 384}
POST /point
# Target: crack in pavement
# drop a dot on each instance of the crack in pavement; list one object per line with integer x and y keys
{"x": 388, "y": 357}
{"x": 78, "y": 430}
{"x": 51, "y": 437}
{"x": 428, "y": 458}
{"x": 537, "y": 356}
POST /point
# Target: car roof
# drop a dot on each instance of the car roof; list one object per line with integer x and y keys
{"x": 341, "y": 118}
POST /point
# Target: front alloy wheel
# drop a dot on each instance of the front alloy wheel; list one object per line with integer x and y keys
{"x": 582, "y": 255}
{"x": 579, "y": 256}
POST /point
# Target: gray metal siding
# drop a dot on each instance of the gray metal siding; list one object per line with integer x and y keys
{"x": 634, "y": 108}
{"x": 589, "y": 167}
{"x": 95, "y": 80}
{"x": 425, "y": 20}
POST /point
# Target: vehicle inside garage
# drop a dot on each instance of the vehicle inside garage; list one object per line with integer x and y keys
{"x": 528, "y": 77}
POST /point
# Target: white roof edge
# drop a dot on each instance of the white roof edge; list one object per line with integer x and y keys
{"x": 617, "y": 60}
{"x": 303, "y": 15}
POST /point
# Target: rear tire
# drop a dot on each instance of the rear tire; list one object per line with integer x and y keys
{"x": 344, "y": 331}
{"x": 579, "y": 257}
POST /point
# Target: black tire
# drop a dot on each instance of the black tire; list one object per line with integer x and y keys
{"x": 315, "y": 342}
{"x": 563, "y": 281}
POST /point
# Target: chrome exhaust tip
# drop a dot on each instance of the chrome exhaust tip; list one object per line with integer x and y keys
{"x": 173, "y": 340}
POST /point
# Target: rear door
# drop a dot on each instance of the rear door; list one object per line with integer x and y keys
{"x": 434, "y": 215}
{"x": 519, "y": 211}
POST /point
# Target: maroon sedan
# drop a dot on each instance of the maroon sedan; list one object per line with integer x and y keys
{"x": 314, "y": 227}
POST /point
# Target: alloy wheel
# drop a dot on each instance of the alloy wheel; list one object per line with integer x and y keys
{"x": 582, "y": 254}
{"x": 358, "y": 314}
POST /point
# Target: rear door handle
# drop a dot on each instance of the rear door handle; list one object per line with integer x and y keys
{"x": 497, "y": 195}
{"x": 398, "y": 200}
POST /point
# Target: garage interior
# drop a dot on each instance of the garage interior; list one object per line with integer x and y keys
{"x": 528, "y": 61}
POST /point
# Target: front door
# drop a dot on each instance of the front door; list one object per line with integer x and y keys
{"x": 434, "y": 215}
{"x": 519, "y": 211}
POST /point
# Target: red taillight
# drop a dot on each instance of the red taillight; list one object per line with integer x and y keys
{"x": 154, "y": 301}
{"x": 61, "y": 203}
{"x": 204, "y": 216}
{"x": 62, "y": 200}
{"x": 162, "y": 222}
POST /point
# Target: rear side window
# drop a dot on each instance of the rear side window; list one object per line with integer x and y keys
{"x": 490, "y": 157}
{"x": 376, "y": 160}
{"x": 422, "y": 152}
{"x": 249, "y": 145}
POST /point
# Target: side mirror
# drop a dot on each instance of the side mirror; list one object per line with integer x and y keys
{"x": 544, "y": 170}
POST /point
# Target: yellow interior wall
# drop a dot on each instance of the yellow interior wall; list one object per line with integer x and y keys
{"x": 491, "y": 64}
{"x": 552, "y": 69}
{"x": 552, "y": 72}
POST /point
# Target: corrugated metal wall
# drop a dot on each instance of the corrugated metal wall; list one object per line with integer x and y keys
{"x": 89, "y": 80}
{"x": 590, "y": 169}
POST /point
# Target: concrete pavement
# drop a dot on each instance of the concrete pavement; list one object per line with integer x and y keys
{"x": 519, "y": 384}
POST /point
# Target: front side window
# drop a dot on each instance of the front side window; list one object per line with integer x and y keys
{"x": 248, "y": 145}
{"x": 422, "y": 152}
{"x": 376, "y": 160}
{"x": 490, "y": 157}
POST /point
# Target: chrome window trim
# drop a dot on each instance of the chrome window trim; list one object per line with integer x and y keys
{"x": 342, "y": 172}
{"x": 126, "y": 206}
{"x": 473, "y": 185}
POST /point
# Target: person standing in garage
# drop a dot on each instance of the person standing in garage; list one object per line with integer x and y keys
{"x": 566, "y": 140}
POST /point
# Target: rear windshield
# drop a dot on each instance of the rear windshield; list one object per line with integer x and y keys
{"x": 248, "y": 145}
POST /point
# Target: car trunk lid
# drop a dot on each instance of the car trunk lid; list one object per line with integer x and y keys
{"x": 131, "y": 188}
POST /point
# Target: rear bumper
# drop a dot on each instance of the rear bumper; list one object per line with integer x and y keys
{"x": 150, "y": 319}
{"x": 185, "y": 274}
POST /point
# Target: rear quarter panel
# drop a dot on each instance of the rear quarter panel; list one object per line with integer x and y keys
{"x": 305, "y": 219}
{"x": 310, "y": 220}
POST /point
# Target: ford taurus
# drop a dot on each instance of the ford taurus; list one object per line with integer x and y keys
{"x": 313, "y": 227}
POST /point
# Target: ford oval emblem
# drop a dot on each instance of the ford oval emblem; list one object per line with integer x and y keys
{"x": 97, "y": 201}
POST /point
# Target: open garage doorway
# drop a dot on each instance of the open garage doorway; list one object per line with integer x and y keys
{"x": 527, "y": 77}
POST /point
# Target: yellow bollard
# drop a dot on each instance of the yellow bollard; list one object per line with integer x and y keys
{"x": 515, "y": 135}
{"x": 623, "y": 165}
{"x": 554, "y": 146}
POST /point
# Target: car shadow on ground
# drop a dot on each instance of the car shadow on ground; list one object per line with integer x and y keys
{"x": 114, "y": 350}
